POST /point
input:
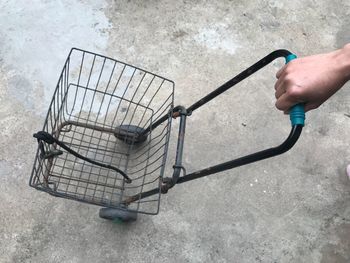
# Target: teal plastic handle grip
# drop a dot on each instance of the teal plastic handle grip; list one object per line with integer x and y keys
{"x": 297, "y": 112}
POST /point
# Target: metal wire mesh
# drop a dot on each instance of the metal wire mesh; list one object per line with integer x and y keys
{"x": 95, "y": 95}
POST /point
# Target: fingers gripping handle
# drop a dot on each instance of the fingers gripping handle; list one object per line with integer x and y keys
{"x": 297, "y": 112}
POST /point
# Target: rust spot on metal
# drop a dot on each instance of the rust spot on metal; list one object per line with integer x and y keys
{"x": 176, "y": 114}
{"x": 130, "y": 199}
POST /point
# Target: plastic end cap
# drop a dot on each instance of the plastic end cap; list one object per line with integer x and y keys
{"x": 297, "y": 115}
{"x": 290, "y": 57}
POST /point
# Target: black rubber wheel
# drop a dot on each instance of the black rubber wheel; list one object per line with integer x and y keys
{"x": 117, "y": 215}
{"x": 130, "y": 134}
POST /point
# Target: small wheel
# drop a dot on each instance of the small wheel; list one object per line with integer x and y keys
{"x": 118, "y": 215}
{"x": 130, "y": 134}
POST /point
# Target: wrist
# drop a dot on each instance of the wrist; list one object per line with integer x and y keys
{"x": 344, "y": 61}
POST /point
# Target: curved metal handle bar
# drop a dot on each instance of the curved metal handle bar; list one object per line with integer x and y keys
{"x": 261, "y": 155}
{"x": 297, "y": 115}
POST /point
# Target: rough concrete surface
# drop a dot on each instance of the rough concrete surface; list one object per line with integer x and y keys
{"x": 292, "y": 208}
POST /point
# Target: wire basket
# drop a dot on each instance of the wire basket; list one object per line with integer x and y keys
{"x": 97, "y": 102}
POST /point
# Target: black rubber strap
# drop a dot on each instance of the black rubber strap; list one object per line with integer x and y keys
{"x": 49, "y": 139}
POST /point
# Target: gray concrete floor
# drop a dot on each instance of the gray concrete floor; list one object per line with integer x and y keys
{"x": 292, "y": 208}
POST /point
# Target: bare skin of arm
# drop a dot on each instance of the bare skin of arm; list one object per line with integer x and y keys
{"x": 312, "y": 80}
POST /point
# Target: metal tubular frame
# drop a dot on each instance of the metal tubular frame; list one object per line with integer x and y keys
{"x": 90, "y": 129}
{"x": 183, "y": 113}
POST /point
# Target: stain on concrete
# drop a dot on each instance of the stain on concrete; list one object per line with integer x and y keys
{"x": 38, "y": 55}
{"x": 216, "y": 37}
{"x": 179, "y": 34}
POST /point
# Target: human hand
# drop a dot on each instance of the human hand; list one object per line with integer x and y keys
{"x": 312, "y": 80}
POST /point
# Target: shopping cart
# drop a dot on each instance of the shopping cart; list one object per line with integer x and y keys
{"x": 106, "y": 134}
